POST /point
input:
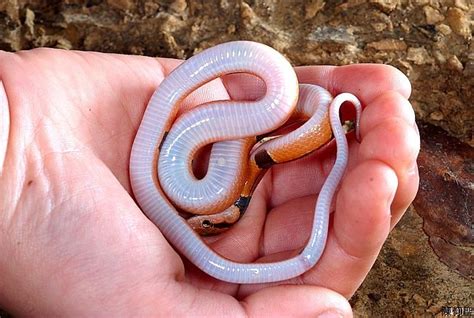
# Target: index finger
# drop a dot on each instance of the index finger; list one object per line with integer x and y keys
{"x": 366, "y": 81}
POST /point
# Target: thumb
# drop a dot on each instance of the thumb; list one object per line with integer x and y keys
{"x": 296, "y": 301}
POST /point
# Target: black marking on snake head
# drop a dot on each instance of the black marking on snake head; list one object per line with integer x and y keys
{"x": 259, "y": 137}
{"x": 242, "y": 203}
{"x": 264, "y": 160}
{"x": 163, "y": 140}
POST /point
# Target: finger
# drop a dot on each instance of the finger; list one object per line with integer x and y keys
{"x": 382, "y": 112}
{"x": 242, "y": 86}
{"x": 390, "y": 104}
{"x": 281, "y": 301}
{"x": 374, "y": 195}
{"x": 401, "y": 157}
{"x": 366, "y": 81}
{"x": 4, "y": 125}
{"x": 361, "y": 225}
{"x": 296, "y": 301}
{"x": 390, "y": 145}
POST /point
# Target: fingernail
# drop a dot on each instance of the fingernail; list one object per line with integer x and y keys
{"x": 331, "y": 313}
{"x": 392, "y": 185}
{"x": 4, "y": 125}
{"x": 415, "y": 126}
{"x": 412, "y": 169}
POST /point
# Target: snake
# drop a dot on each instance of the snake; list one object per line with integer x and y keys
{"x": 161, "y": 161}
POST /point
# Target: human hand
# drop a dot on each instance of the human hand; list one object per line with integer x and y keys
{"x": 73, "y": 240}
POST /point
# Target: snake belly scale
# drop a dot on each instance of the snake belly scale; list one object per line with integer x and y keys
{"x": 160, "y": 168}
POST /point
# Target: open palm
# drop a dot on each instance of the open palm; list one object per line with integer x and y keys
{"x": 74, "y": 241}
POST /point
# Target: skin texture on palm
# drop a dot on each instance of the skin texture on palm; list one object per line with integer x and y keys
{"x": 74, "y": 241}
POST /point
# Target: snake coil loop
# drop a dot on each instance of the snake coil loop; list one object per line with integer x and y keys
{"x": 161, "y": 172}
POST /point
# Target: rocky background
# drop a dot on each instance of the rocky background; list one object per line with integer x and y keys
{"x": 428, "y": 262}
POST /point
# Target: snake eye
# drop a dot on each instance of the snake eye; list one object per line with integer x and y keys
{"x": 206, "y": 224}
